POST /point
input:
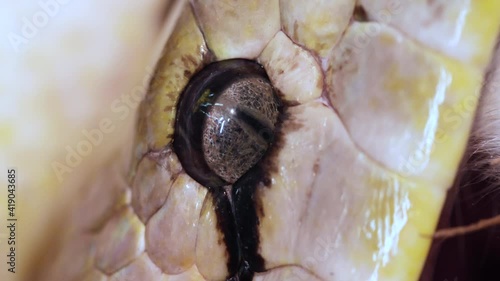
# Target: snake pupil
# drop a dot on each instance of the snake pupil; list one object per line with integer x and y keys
{"x": 225, "y": 121}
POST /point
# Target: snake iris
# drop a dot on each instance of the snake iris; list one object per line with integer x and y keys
{"x": 352, "y": 174}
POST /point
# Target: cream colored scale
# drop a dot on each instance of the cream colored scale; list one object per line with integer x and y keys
{"x": 368, "y": 156}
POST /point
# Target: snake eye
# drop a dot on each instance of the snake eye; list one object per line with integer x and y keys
{"x": 225, "y": 122}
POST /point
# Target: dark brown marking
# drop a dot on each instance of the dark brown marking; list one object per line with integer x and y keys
{"x": 227, "y": 227}
{"x": 295, "y": 29}
{"x": 360, "y": 14}
{"x": 316, "y": 167}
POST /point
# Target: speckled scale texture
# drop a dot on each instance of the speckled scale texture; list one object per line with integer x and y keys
{"x": 366, "y": 159}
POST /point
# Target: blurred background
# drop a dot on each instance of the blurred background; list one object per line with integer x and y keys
{"x": 68, "y": 68}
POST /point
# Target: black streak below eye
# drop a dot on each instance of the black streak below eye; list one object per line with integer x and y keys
{"x": 225, "y": 121}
